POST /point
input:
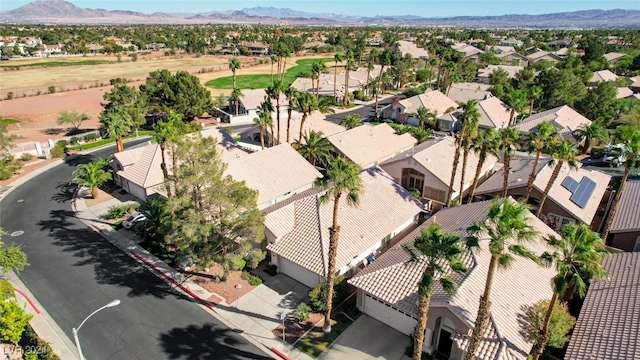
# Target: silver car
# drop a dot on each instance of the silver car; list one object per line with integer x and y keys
{"x": 134, "y": 218}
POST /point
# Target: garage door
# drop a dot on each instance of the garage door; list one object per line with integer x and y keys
{"x": 298, "y": 273}
{"x": 386, "y": 314}
{"x": 137, "y": 191}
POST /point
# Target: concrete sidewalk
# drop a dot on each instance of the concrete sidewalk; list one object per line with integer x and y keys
{"x": 241, "y": 321}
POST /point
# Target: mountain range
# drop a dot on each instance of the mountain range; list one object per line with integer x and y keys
{"x": 64, "y": 12}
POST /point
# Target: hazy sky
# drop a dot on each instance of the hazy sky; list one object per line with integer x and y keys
{"x": 426, "y": 8}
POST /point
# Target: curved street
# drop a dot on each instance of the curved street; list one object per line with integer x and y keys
{"x": 74, "y": 271}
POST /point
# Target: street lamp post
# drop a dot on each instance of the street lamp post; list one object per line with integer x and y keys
{"x": 115, "y": 302}
{"x": 283, "y": 317}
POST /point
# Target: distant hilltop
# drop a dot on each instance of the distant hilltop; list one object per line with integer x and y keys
{"x": 64, "y": 12}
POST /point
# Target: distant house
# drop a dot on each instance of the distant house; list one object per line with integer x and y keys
{"x": 463, "y": 92}
{"x": 635, "y": 84}
{"x": 607, "y": 327}
{"x": 494, "y": 113}
{"x": 357, "y": 81}
{"x": 483, "y": 74}
{"x": 387, "y": 290}
{"x": 513, "y": 58}
{"x": 602, "y": 75}
{"x": 470, "y": 52}
{"x": 249, "y": 103}
{"x": 368, "y": 145}
{"x": 543, "y": 55}
{"x": 499, "y": 49}
{"x": 427, "y": 168}
{"x": 511, "y": 42}
{"x": 433, "y": 100}
{"x": 577, "y": 196}
{"x": 625, "y": 228}
{"x": 298, "y": 231}
{"x": 624, "y": 92}
{"x": 407, "y": 47}
{"x": 257, "y": 48}
{"x": 563, "y": 118}
{"x": 613, "y": 57}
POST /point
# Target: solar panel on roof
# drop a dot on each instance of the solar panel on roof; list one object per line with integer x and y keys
{"x": 570, "y": 184}
{"x": 583, "y": 193}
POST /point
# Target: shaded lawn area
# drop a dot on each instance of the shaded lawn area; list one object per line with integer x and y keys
{"x": 95, "y": 144}
{"x": 316, "y": 341}
{"x": 262, "y": 81}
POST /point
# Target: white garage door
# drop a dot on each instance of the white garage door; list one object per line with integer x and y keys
{"x": 137, "y": 191}
{"x": 388, "y": 315}
{"x": 298, "y": 273}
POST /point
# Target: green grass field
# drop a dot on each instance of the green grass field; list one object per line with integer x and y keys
{"x": 262, "y": 81}
{"x": 55, "y": 64}
{"x": 102, "y": 142}
{"x": 8, "y": 121}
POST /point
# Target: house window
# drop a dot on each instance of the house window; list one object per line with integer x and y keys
{"x": 435, "y": 194}
{"x": 561, "y": 220}
{"x": 412, "y": 179}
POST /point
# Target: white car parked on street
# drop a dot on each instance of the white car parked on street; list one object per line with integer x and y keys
{"x": 134, "y": 218}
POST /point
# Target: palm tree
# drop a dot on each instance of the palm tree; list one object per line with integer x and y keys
{"x": 263, "y": 120}
{"x": 545, "y": 135}
{"x": 156, "y": 225}
{"x": 267, "y": 107}
{"x": 420, "y": 134}
{"x": 440, "y": 252}
{"x": 274, "y": 91}
{"x": 508, "y": 230}
{"x": 351, "y": 121}
{"x": 424, "y": 116}
{"x": 517, "y": 101}
{"x": 234, "y": 64}
{"x": 589, "y": 133}
{"x": 325, "y": 105}
{"x": 341, "y": 180}
{"x": 236, "y": 94}
{"x": 314, "y": 147}
{"x": 403, "y": 129}
{"x": 163, "y": 133}
{"x": 317, "y": 68}
{"x": 385, "y": 60}
{"x": 374, "y": 86}
{"x": 305, "y": 103}
{"x": 116, "y": 126}
{"x": 337, "y": 57}
{"x": 564, "y": 151}
{"x": 273, "y": 58}
{"x": 292, "y": 98}
{"x": 577, "y": 256}
{"x": 534, "y": 94}
{"x": 487, "y": 142}
{"x": 471, "y": 116}
{"x": 91, "y": 175}
{"x": 348, "y": 56}
{"x": 509, "y": 138}
{"x": 456, "y": 157}
{"x": 629, "y": 136}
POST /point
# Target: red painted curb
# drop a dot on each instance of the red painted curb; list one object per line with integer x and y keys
{"x": 280, "y": 353}
{"x": 28, "y": 300}
{"x": 182, "y": 287}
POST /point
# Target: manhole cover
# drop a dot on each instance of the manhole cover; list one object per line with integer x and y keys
{"x": 17, "y": 233}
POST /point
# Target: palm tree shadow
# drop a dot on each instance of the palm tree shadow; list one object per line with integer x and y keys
{"x": 207, "y": 342}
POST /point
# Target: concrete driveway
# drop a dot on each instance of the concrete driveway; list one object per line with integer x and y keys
{"x": 368, "y": 338}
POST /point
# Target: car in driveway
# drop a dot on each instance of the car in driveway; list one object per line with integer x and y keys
{"x": 134, "y": 218}
{"x": 613, "y": 155}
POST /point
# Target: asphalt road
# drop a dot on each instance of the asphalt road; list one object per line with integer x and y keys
{"x": 366, "y": 112}
{"x": 75, "y": 271}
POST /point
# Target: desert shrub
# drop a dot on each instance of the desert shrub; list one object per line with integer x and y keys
{"x": 360, "y": 95}
{"x": 6, "y": 290}
{"x": 318, "y": 294}
{"x": 302, "y": 312}
{"x": 51, "y": 89}
{"x": 75, "y": 140}
{"x": 116, "y": 212}
{"x": 411, "y": 91}
{"x": 10, "y": 95}
{"x": 59, "y": 149}
{"x": 91, "y": 137}
{"x": 26, "y": 156}
{"x": 236, "y": 262}
{"x": 252, "y": 279}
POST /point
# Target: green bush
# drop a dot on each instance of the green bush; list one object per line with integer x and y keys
{"x": 26, "y": 156}
{"x": 75, "y": 140}
{"x": 31, "y": 340}
{"x": 252, "y": 279}
{"x": 254, "y": 257}
{"x": 51, "y": 89}
{"x": 59, "y": 149}
{"x": 236, "y": 262}
{"x": 116, "y": 212}
{"x": 302, "y": 312}
{"x": 6, "y": 290}
{"x": 318, "y": 294}
{"x": 91, "y": 137}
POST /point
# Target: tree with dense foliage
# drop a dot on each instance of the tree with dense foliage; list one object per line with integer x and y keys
{"x": 533, "y": 93}
{"x": 216, "y": 217}
{"x": 165, "y": 132}
{"x": 426, "y": 117}
{"x": 157, "y": 221}
{"x": 314, "y": 147}
{"x": 91, "y": 175}
{"x": 509, "y": 141}
{"x": 517, "y": 101}
{"x": 439, "y": 253}
{"x": 348, "y": 56}
{"x": 486, "y": 143}
{"x": 73, "y": 118}
{"x": 576, "y": 256}
{"x": 123, "y": 112}
{"x": 508, "y": 230}
{"x": 629, "y": 136}
{"x": 13, "y": 320}
{"x": 600, "y": 103}
{"x": 342, "y": 179}
{"x": 117, "y": 124}
{"x": 12, "y": 258}
{"x": 562, "y": 152}
{"x": 589, "y": 133}
{"x": 560, "y": 323}
{"x": 351, "y": 121}
{"x": 305, "y": 104}
{"x": 499, "y": 76}
{"x": 560, "y": 87}
{"x": 536, "y": 141}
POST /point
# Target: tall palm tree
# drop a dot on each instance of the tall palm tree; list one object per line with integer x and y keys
{"x": 471, "y": 116}
{"x": 456, "y": 157}
{"x": 273, "y": 58}
{"x": 487, "y": 142}
{"x": 263, "y": 120}
{"x": 439, "y": 251}
{"x": 629, "y": 136}
{"x": 536, "y": 141}
{"x": 348, "y": 56}
{"x": 116, "y": 126}
{"x": 314, "y": 147}
{"x": 341, "y": 180}
{"x": 507, "y": 229}
{"x": 165, "y": 132}
{"x": 577, "y": 256}
{"x": 338, "y": 57}
{"x": 267, "y": 107}
{"x": 91, "y": 175}
{"x": 424, "y": 116}
{"x": 351, "y": 121}
{"x": 564, "y": 151}
{"x": 292, "y": 98}
{"x": 374, "y": 85}
{"x": 517, "y": 101}
{"x": 273, "y": 92}
{"x": 305, "y": 103}
{"x": 589, "y": 133}
{"x": 385, "y": 60}
{"x": 509, "y": 139}
{"x": 234, "y": 64}
{"x": 534, "y": 92}
{"x": 236, "y": 94}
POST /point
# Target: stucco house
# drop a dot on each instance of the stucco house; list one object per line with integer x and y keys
{"x": 625, "y": 228}
{"x": 470, "y": 52}
{"x": 297, "y": 231}
{"x": 563, "y": 118}
{"x": 433, "y": 100}
{"x": 602, "y": 75}
{"x": 463, "y": 92}
{"x": 483, "y": 74}
{"x": 493, "y": 112}
{"x": 543, "y": 55}
{"x": 387, "y": 291}
{"x": 427, "y": 168}
{"x": 408, "y": 47}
